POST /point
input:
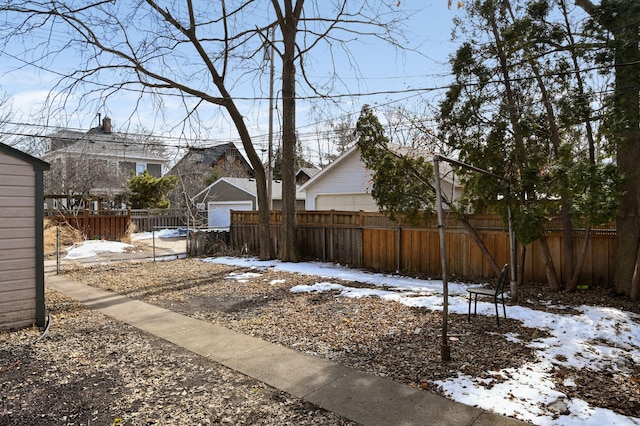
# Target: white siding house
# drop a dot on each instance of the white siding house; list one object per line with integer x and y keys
{"x": 346, "y": 184}
{"x": 21, "y": 239}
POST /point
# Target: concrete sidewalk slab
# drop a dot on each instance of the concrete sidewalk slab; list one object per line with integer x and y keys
{"x": 377, "y": 401}
{"x": 361, "y": 397}
{"x": 288, "y": 370}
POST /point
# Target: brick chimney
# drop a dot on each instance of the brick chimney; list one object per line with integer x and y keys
{"x": 106, "y": 125}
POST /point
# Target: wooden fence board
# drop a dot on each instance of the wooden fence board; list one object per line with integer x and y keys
{"x": 108, "y": 225}
{"x": 366, "y": 247}
{"x": 431, "y": 250}
{"x": 555, "y": 247}
{"x": 476, "y": 260}
{"x": 376, "y": 262}
{"x": 371, "y": 248}
{"x": 406, "y": 243}
{"x": 388, "y": 250}
{"x": 312, "y": 248}
{"x": 419, "y": 253}
{"x": 602, "y": 263}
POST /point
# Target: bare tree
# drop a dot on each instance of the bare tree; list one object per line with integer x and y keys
{"x": 412, "y": 129}
{"x": 206, "y": 53}
{"x": 194, "y": 176}
{"x": 10, "y": 136}
{"x": 81, "y": 176}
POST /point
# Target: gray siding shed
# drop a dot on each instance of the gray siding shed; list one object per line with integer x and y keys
{"x": 21, "y": 239}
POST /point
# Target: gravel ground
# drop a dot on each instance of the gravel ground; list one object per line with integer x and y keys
{"x": 90, "y": 369}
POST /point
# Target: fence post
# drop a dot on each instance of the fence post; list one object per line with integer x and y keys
{"x": 85, "y": 226}
{"x": 58, "y": 249}
{"x": 399, "y": 251}
{"x": 324, "y": 243}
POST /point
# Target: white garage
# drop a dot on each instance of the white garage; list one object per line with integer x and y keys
{"x": 219, "y": 215}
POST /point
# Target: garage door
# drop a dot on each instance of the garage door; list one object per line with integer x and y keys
{"x": 219, "y": 216}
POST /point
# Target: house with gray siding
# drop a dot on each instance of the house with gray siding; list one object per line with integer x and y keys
{"x": 96, "y": 164}
{"x": 228, "y": 193}
{"x": 21, "y": 239}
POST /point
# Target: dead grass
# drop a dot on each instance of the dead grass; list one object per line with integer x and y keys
{"x": 68, "y": 236}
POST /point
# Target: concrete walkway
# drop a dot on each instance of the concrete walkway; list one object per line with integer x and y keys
{"x": 361, "y": 397}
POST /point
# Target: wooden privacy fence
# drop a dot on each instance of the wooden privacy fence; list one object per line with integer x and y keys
{"x": 372, "y": 241}
{"x": 103, "y": 224}
{"x": 115, "y": 224}
{"x": 153, "y": 219}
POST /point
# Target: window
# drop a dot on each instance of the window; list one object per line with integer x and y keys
{"x": 155, "y": 170}
{"x": 127, "y": 168}
{"x": 140, "y": 168}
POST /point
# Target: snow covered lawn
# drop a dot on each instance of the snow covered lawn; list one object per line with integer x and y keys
{"x": 602, "y": 340}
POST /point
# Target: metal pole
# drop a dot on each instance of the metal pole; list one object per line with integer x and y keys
{"x": 153, "y": 238}
{"x": 57, "y": 249}
{"x": 271, "y": 102}
{"x": 186, "y": 241}
{"x": 512, "y": 255}
{"x": 445, "y": 350}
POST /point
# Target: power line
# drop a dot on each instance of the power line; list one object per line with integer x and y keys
{"x": 423, "y": 89}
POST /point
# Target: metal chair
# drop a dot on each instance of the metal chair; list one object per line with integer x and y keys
{"x": 495, "y": 293}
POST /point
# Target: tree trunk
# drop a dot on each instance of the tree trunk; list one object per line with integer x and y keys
{"x": 523, "y": 257}
{"x": 573, "y": 284}
{"x": 565, "y": 203}
{"x": 634, "y": 293}
{"x": 549, "y": 269}
{"x": 626, "y": 99}
{"x": 627, "y": 240}
{"x": 288, "y": 250}
{"x": 567, "y": 242}
{"x": 264, "y": 236}
{"x": 621, "y": 18}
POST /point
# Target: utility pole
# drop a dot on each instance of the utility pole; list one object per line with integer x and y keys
{"x": 270, "y": 52}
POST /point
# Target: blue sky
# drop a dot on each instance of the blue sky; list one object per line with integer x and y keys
{"x": 381, "y": 70}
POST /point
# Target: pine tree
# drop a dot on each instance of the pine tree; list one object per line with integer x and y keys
{"x": 148, "y": 192}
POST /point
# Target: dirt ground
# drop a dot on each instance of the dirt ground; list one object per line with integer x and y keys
{"x": 90, "y": 369}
